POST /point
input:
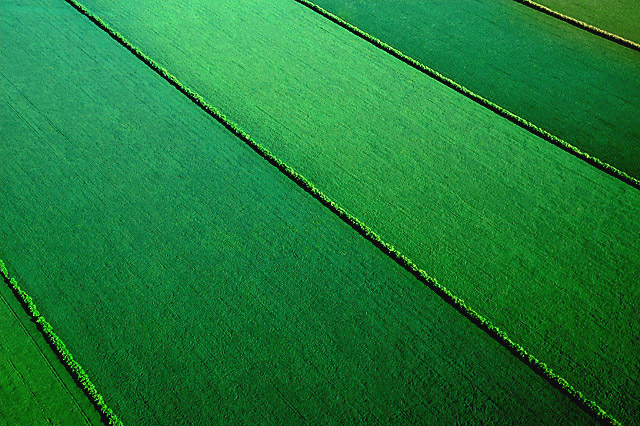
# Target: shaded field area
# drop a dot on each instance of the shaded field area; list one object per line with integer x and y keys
{"x": 35, "y": 388}
{"x": 621, "y": 17}
{"x": 198, "y": 285}
{"x": 571, "y": 83}
{"x": 535, "y": 239}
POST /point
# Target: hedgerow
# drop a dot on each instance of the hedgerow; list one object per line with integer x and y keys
{"x": 521, "y": 122}
{"x": 75, "y": 369}
{"x": 445, "y": 294}
{"x": 580, "y": 24}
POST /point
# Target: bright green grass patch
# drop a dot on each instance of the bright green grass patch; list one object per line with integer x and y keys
{"x": 35, "y": 388}
{"x": 621, "y": 17}
{"x": 574, "y": 84}
{"x": 195, "y": 283}
{"x": 537, "y": 240}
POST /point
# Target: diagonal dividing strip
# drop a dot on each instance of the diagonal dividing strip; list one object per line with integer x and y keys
{"x": 519, "y": 121}
{"x": 29, "y": 334}
{"x": 580, "y": 24}
{"x": 76, "y": 370}
{"x": 458, "y": 304}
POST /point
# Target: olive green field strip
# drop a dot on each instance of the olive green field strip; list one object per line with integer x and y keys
{"x": 574, "y": 85}
{"x": 35, "y": 388}
{"x": 620, "y": 19}
{"x": 537, "y": 241}
{"x": 196, "y": 283}
{"x": 583, "y": 25}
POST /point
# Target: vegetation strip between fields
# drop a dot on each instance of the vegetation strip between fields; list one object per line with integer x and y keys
{"x": 44, "y": 357}
{"x": 580, "y": 24}
{"x": 458, "y": 304}
{"x": 521, "y": 122}
{"x": 76, "y": 370}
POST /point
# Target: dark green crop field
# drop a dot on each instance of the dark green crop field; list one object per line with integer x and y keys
{"x": 621, "y": 17}
{"x": 198, "y": 284}
{"x": 537, "y": 240}
{"x": 574, "y": 84}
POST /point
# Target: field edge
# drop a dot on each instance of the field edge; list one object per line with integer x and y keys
{"x": 78, "y": 374}
{"x": 581, "y": 24}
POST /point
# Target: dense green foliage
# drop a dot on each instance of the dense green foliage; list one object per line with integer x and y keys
{"x": 536, "y": 240}
{"x": 365, "y": 231}
{"x": 361, "y": 228}
{"x": 157, "y": 242}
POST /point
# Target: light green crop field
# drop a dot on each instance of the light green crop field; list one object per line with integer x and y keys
{"x": 35, "y": 389}
{"x": 621, "y": 17}
{"x": 576, "y": 85}
{"x": 537, "y": 240}
{"x": 194, "y": 282}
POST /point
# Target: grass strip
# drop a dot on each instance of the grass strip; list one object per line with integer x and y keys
{"x": 521, "y": 122}
{"x": 445, "y": 294}
{"x": 37, "y": 387}
{"x": 76, "y": 370}
{"x": 580, "y": 24}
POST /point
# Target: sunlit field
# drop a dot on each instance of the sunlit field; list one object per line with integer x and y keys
{"x": 343, "y": 212}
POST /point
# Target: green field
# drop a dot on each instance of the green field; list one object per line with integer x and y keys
{"x": 35, "y": 389}
{"x": 621, "y": 17}
{"x": 537, "y": 240}
{"x": 197, "y": 284}
{"x": 194, "y": 282}
{"x": 576, "y": 85}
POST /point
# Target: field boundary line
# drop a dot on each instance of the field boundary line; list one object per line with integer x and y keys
{"x": 581, "y": 24}
{"x": 45, "y": 358}
{"x": 77, "y": 372}
{"x": 445, "y": 294}
{"x": 519, "y": 121}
